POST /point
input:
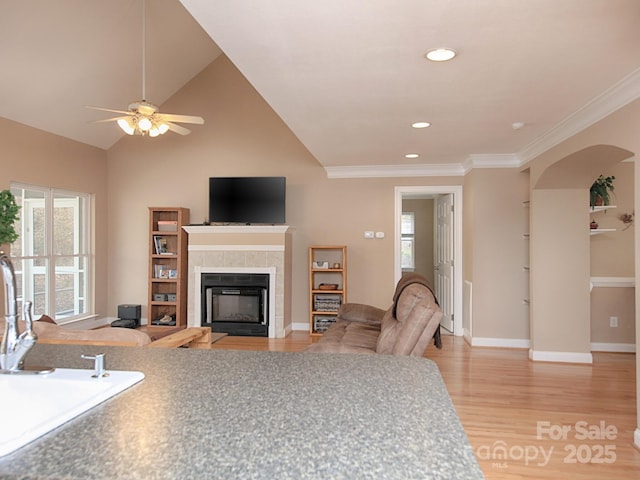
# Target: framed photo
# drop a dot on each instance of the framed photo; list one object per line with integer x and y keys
{"x": 161, "y": 271}
{"x": 173, "y": 274}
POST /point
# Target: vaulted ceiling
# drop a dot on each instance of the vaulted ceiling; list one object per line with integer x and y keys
{"x": 349, "y": 77}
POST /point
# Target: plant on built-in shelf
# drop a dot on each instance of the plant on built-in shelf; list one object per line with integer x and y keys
{"x": 600, "y": 191}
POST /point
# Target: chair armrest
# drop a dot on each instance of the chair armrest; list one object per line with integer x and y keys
{"x": 358, "y": 312}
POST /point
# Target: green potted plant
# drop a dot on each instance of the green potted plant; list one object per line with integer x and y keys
{"x": 600, "y": 191}
{"x": 8, "y": 215}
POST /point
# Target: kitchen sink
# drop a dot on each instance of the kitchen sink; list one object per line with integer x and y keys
{"x": 32, "y": 405}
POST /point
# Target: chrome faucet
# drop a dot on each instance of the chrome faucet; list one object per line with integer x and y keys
{"x": 14, "y": 346}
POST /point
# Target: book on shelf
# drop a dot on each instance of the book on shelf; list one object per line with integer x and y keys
{"x": 160, "y": 245}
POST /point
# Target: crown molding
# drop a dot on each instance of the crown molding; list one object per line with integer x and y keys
{"x": 620, "y": 94}
{"x": 378, "y": 171}
{"x": 497, "y": 160}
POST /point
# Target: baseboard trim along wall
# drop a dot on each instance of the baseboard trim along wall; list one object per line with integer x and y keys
{"x": 500, "y": 342}
{"x": 560, "y": 357}
{"x": 613, "y": 347}
{"x": 300, "y": 327}
{"x": 636, "y": 437}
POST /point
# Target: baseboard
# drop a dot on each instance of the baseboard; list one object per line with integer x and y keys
{"x": 613, "y": 347}
{"x": 300, "y": 326}
{"x": 636, "y": 437}
{"x": 500, "y": 342}
{"x": 466, "y": 334}
{"x": 560, "y": 357}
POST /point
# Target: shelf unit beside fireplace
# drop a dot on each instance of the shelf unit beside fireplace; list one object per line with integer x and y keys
{"x": 327, "y": 268}
{"x": 167, "y": 266}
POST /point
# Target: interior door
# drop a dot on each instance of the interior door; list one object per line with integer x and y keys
{"x": 443, "y": 261}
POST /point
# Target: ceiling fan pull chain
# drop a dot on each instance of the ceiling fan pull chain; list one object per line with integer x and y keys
{"x": 144, "y": 50}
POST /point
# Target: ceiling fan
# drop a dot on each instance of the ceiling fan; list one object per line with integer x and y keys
{"x": 142, "y": 117}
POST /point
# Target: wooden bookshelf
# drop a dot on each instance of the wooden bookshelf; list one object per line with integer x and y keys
{"x": 168, "y": 267}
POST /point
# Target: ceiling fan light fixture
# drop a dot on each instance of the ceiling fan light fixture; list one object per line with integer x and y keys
{"x": 127, "y": 125}
{"x": 440, "y": 54}
{"x": 158, "y": 129}
{"x": 145, "y": 124}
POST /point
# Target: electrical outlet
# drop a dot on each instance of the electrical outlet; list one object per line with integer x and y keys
{"x": 613, "y": 322}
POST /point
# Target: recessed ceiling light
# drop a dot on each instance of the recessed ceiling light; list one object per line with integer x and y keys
{"x": 411, "y": 155}
{"x": 440, "y": 54}
{"x": 517, "y": 125}
{"x": 421, "y": 125}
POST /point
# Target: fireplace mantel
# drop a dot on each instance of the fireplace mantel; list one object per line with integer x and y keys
{"x": 227, "y": 229}
{"x": 242, "y": 248}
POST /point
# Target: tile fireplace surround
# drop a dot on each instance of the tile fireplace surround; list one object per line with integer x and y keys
{"x": 242, "y": 249}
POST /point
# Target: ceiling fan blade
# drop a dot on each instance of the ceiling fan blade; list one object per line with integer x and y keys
{"x": 170, "y": 117}
{"x": 112, "y": 119}
{"x": 177, "y": 128}
{"x": 109, "y": 110}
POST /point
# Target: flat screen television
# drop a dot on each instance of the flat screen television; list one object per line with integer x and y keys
{"x": 247, "y": 200}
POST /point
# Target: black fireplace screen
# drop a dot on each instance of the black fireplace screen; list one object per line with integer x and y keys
{"x": 236, "y": 304}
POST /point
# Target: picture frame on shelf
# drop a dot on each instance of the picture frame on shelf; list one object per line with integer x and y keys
{"x": 161, "y": 271}
{"x": 173, "y": 274}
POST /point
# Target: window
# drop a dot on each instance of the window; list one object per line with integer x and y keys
{"x": 52, "y": 256}
{"x": 407, "y": 232}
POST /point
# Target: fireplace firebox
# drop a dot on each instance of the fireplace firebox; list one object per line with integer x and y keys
{"x": 237, "y": 304}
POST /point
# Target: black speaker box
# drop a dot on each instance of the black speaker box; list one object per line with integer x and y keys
{"x": 129, "y": 312}
{"x": 125, "y": 323}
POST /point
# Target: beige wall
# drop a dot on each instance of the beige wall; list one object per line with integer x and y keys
{"x": 613, "y": 302}
{"x": 493, "y": 239}
{"x": 243, "y": 136}
{"x": 32, "y": 156}
{"x": 559, "y": 252}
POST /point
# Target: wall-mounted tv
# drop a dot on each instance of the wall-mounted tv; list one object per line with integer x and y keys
{"x": 247, "y": 200}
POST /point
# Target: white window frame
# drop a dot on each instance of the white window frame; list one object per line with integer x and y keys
{"x": 83, "y": 249}
{"x": 409, "y": 237}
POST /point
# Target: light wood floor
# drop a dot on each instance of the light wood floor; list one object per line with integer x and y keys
{"x": 511, "y": 408}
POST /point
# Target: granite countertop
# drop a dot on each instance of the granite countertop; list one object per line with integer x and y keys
{"x": 239, "y": 414}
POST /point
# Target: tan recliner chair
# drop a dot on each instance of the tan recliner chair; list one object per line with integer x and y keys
{"x": 406, "y": 328}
